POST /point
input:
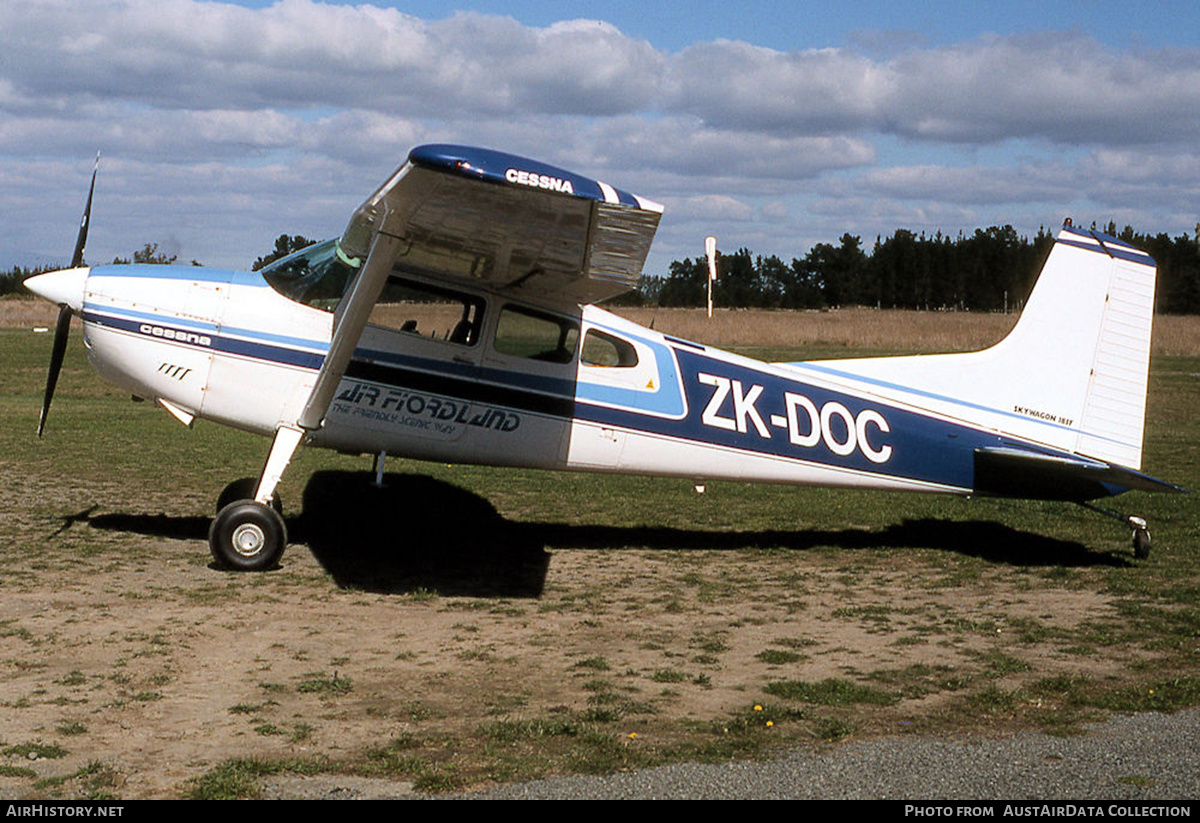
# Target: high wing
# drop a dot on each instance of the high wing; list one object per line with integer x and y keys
{"x": 509, "y": 223}
{"x": 490, "y": 219}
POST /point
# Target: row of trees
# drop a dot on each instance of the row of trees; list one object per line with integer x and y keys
{"x": 10, "y": 281}
{"x": 990, "y": 270}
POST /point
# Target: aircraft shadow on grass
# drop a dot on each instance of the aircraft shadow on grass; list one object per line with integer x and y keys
{"x": 416, "y": 532}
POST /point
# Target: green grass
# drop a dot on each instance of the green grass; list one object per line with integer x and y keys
{"x": 830, "y": 692}
{"x": 779, "y": 657}
{"x": 324, "y": 684}
{"x": 7, "y": 770}
{"x": 241, "y": 779}
{"x": 41, "y": 751}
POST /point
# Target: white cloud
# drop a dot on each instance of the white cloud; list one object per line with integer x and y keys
{"x": 1065, "y": 88}
{"x": 183, "y": 53}
{"x": 965, "y": 185}
{"x": 711, "y": 207}
{"x": 737, "y": 85}
{"x": 251, "y": 117}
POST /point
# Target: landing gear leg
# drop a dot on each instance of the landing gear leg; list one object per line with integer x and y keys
{"x": 244, "y": 489}
{"x": 249, "y": 534}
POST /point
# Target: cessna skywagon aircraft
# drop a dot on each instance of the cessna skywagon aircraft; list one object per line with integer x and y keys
{"x": 527, "y": 372}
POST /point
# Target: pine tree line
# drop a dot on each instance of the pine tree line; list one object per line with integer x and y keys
{"x": 992, "y": 269}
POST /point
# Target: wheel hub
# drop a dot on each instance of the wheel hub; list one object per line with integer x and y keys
{"x": 248, "y": 539}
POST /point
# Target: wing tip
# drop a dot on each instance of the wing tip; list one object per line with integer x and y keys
{"x": 514, "y": 170}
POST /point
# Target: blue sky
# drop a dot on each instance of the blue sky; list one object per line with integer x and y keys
{"x": 673, "y": 25}
{"x": 772, "y": 125}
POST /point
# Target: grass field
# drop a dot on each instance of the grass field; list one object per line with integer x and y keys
{"x": 468, "y": 625}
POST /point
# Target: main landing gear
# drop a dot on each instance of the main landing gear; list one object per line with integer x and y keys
{"x": 248, "y": 534}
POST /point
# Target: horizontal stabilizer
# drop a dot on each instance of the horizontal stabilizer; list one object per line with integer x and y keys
{"x": 1011, "y": 472}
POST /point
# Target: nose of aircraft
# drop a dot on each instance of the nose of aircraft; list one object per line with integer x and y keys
{"x": 65, "y": 287}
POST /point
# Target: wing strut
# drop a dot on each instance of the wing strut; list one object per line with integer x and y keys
{"x": 353, "y": 315}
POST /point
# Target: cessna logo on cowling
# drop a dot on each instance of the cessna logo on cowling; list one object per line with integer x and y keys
{"x": 178, "y": 335}
{"x": 539, "y": 181}
{"x": 805, "y": 424}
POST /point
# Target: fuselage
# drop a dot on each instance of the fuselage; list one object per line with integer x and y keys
{"x": 512, "y": 383}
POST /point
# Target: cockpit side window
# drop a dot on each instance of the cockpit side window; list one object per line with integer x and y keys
{"x": 432, "y": 311}
{"x": 316, "y": 276}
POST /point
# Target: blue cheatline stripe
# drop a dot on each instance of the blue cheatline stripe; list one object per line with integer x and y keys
{"x": 304, "y": 342}
{"x": 952, "y": 400}
{"x": 261, "y": 351}
{"x": 133, "y": 321}
{"x": 202, "y": 274}
{"x": 209, "y": 328}
{"x": 91, "y": 312}
{"x": 465, "y": 388}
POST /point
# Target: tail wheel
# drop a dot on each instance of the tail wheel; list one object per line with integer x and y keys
{"x": 247, "y": 536}
{"x": 1141, "y": 543}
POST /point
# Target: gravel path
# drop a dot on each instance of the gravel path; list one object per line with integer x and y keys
{"x": 1140, "y": 757}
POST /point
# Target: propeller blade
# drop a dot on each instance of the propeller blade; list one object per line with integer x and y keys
{"x": 81, "y": 240}
{"x": 61, "y": 330}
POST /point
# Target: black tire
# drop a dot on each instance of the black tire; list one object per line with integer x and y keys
{"x": 1141, "y": 543}
{"x": 247, "y": 537}
{"x": 244, "y": 489}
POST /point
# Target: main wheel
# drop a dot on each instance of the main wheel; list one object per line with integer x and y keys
{"x": 1141, "y": 543}
{"x": 244, "y": 489}
{"x": 247, "y": 536}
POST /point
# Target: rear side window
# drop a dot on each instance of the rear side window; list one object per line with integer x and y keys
{"x": 526, "y": 333}
{"x": 603, "y": 349}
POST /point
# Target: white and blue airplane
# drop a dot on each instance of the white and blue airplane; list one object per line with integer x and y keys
{"x": 529, "y": 373}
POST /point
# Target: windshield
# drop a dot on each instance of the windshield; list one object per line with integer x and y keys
{"x": 316, "y": 276}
